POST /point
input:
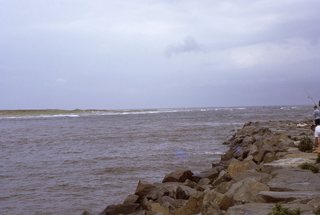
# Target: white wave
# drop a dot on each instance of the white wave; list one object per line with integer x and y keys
{"x": 230, "y": 108}
{"x": 213, "y": 153}
{"x": 288, "y": 108}
{"x": 102, "y": 113}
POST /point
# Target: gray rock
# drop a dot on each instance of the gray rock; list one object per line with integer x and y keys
{"x": 289, "y": 179}
{"x": 269, "y": 157}
{"x": 213, "y": 199}
{"x": 178, "y": 176}
{"x": 288, "y": 196}
{"x": 143, "y": 188}
{"x": 190, "y": 183}
{"x": 253, "y": 174}
{"x": 262, "y": 151}
{"x": 247, "y": 190}
{"x": 211, "y": 173}
{"x": 171, "y": 203}
{"x": 131, "y": 199}
{"x": 222, "y": 177}
{"x": 250, "y": 209}
{"x": 163, "y": 189}
{"x": 315, "y": 203}
{"x": 192, "y": 206}
{"x": 120, "y": 209}
{"x": 224, "y": 186}
{"x": 204, "y": 181}
{"x": 184, "y": 192}
{"x": 265, "y": 208}
{"x": 236, "y": 167}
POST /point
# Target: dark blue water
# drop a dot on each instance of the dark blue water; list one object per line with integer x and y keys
{"x": 65, "y": 164}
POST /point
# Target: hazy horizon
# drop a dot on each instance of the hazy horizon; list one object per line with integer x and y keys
{"x": 65, "y": 54}
{"x": 155, "y": 108}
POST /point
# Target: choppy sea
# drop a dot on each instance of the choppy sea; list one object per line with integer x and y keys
{"x": 67, "y": 163}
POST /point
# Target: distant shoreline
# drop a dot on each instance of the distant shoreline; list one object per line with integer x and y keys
{"x": 54, "y": 111}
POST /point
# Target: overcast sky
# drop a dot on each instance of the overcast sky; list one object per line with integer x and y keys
{"x": 117, "y": 54}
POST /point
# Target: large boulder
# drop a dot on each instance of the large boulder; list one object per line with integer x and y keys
{"x": 291, "y": 179}
{"x": 236, "y": 167}
{"x": 247, "y": 190}
{"x": 260, "y": 176}
{"x": 143, "y": 188}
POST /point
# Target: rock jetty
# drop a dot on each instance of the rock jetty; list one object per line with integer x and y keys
{"x": 261, "y": 168}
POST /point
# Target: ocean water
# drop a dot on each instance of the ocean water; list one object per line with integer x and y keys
{"x": 67, "y": 163}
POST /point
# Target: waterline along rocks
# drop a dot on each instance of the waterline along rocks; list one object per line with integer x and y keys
{"x": 260, "y": 169}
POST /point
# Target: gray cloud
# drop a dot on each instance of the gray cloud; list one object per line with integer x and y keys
{"x": 140, "y": 53}
{"x": 188, "y": 45}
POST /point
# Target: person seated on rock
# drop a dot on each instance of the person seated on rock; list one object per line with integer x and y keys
{"x": 317, "y": 138}
{"x": 316, "y": 114}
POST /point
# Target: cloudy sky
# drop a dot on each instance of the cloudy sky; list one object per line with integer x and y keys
{"x": 118, "y": 54}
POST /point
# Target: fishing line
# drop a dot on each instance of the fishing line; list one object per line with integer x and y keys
{"x": 310, "y": 97}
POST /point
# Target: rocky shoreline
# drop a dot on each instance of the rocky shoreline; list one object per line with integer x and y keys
{"x": 261, "y": 168}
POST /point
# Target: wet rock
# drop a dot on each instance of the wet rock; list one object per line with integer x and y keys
{"x": 131, "y": 199}
{"x": 120, "y": 209}
{"x": 178, "y": 176}
{"x": 143, "y": 188}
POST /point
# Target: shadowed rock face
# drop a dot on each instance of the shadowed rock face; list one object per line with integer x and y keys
{"x": 259, "y": 169}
